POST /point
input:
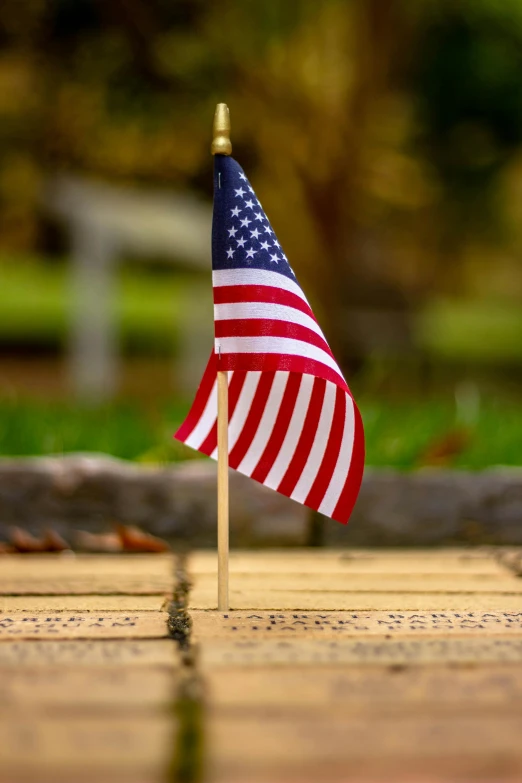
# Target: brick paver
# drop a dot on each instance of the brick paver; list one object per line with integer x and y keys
{"x": 331, "y": 666}
{"x": 388, "y": 666}
{"x": 87, "y": 678}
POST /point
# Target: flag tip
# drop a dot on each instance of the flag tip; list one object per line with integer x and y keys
{"x": 221, "y": 144}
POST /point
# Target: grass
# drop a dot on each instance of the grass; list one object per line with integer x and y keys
{"x": 35, "y": 303}
{"x": 150, "y": 305}
{"x": 396, "y": 432}
{"x": 127, "y": 431}
{"x": 485, "y": 331}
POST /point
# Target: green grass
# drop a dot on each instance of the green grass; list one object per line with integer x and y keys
{"x": 487, "y": 332}
{"x": 121, "y": 430}
{"x": 35, "y": 303}
{"x": 396, "y": 433}
{"x": 149, "y": 306}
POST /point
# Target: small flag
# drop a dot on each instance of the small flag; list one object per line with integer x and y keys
{"x": 293, "y": 423}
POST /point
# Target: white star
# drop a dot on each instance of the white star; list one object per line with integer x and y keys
{"x": 245, "y": 222}
{"x": 250, "y": 253}
{"x": 242, "y": 176}
{"x": 254, "y": 233}
{"x": 268, "y": 230}
{"x": 235, "y": 212}
{"x": 276, "y": 243}
{"x": 241, "y": 241}
{"x": 274, "y": 258}
{"x": 264, "y": 245}
{"x": 249, "y": 204}
{"x": 232, "y": 232}
{"x": 230, "y": 253}
{"x": 239, "y": 192}
{"x": 259, "y": 216}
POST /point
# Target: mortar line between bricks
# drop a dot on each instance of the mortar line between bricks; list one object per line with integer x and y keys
{"x": 187, "y": 760}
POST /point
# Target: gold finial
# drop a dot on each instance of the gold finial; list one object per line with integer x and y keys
{"x": 221, "y": 144}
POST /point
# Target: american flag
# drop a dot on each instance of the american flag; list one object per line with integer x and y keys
{"x": 293, "y": 423}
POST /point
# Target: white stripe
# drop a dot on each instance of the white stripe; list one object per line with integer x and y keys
{"x": 222, "y": 277}
{"x": 315, "y": 457}
{"x": 266, "y": 310}
{"x": 244, "y": 403}
{"x": 206, "y": 421}
{"x": 266, "y": 424}
{"x": 342, "y": 467}
{"x": 281, "y": 345}
{"x": 287, "y": 450}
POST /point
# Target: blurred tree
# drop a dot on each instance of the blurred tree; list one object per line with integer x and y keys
{"x": 375, "y": 130}
{"x": 309, "y": 92}
{"x": 467, "y": 84}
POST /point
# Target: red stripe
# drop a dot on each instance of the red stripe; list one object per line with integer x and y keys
{"x": 234, "y": 390}
{"x": 200, "y": 400}
{"x": 252, "y": 420}
{"x": 279, "y": 431}
{"x": 348, "y": 496}
{"x": 331, "y": 454}
{"x": 272, "y": 362}
{"x": 227, "y": 294}
{"x": 306, "y": 439}
{"x": 265, "y": 327}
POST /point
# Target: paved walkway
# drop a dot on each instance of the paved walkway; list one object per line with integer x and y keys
{"x": 333, "y": 667}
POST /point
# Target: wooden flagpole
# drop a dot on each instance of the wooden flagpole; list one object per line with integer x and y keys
{"x": 221, "y": 145}
{"x": 222, "y": 485}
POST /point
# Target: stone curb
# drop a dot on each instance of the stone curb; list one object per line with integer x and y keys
{"x": 91, "y": 491}
{"x": 427, "y": 507}
{"x": 435, "y": 507}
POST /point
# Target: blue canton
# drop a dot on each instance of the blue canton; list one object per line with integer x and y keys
{"x": 242, "y": 237}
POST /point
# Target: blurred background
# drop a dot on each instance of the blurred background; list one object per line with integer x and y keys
{"x": 384, "y": 139}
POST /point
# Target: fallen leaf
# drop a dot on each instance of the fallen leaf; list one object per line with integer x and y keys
{"x": 53, "y": 542}
{"x": 135, "y": 540}
{"x": 25, "y": 542}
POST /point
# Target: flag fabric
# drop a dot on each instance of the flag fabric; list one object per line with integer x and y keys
{"x": 293, "y": 423}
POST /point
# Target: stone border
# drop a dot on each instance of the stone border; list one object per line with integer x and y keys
{"x": 427, "y": 507}
{"x": 91, "y": 491}
{"x": 435, "y": 506}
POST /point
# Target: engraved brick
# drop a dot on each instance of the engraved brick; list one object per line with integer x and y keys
{"x": 82, "y": 625}
{"x": 255, "y": 624}
{"x": 362, "y": 651}
{"x": 94, "y": 653}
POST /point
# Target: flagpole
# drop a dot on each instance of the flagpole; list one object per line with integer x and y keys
{"x": 221, "y": 145}
{"x": 222, "y": 486}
